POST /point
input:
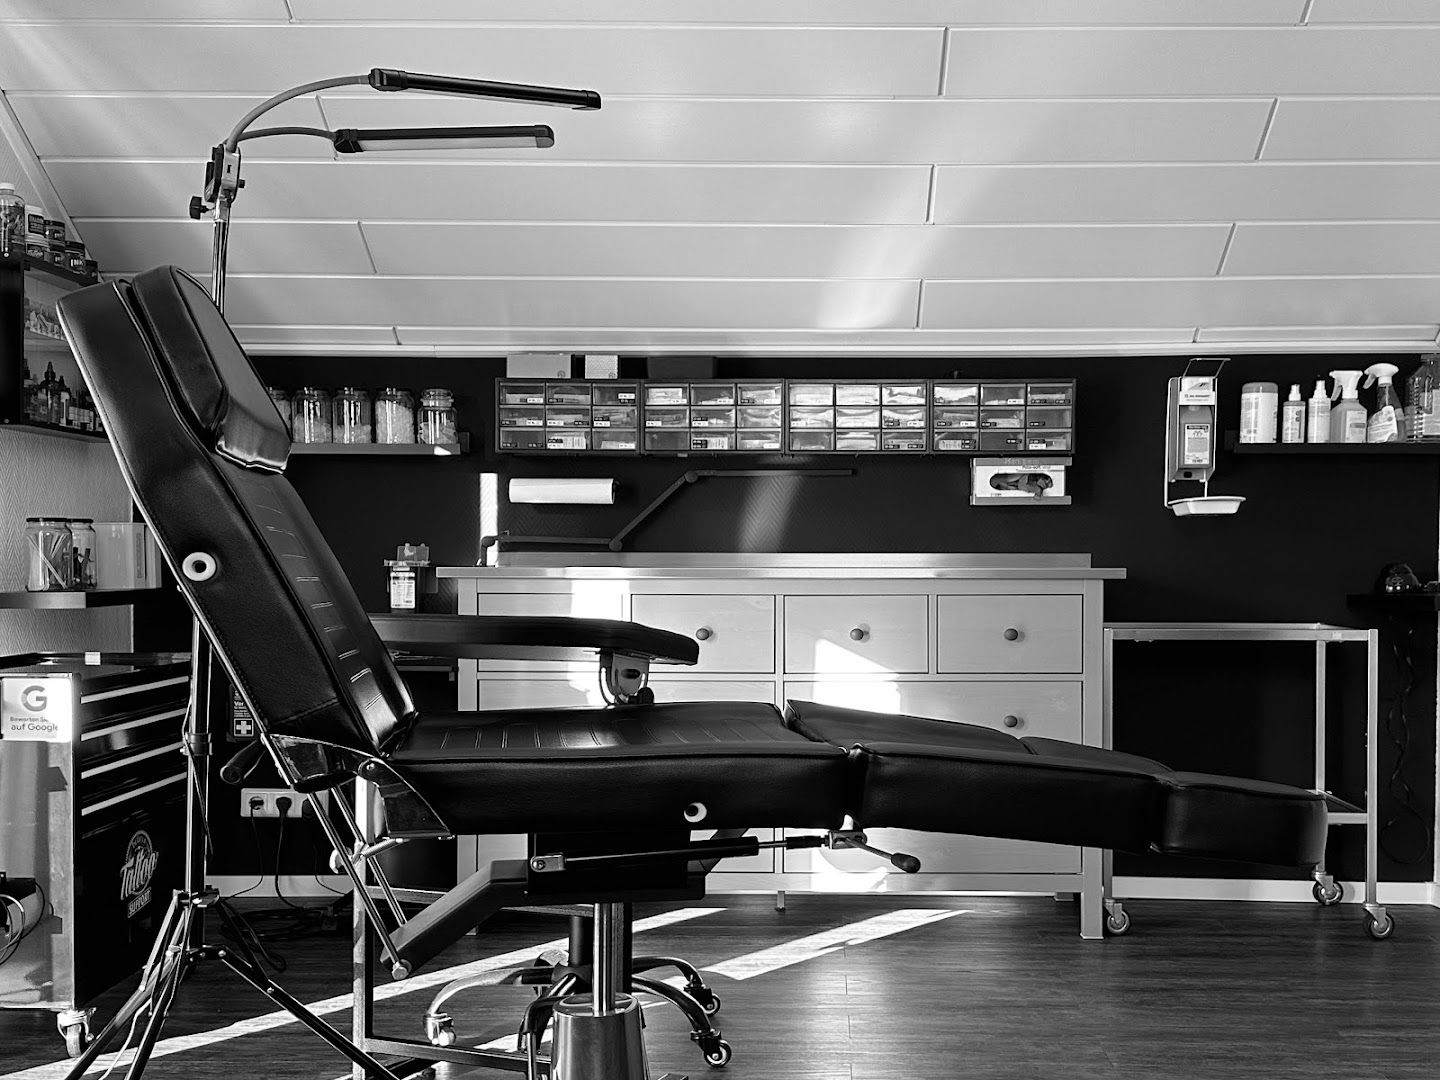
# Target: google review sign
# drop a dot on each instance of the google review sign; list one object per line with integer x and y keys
{"x": 36, "y": 710}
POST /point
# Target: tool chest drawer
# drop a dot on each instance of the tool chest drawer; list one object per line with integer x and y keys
{"x": 1014, "y": 634}
{"x": 857, "y": 634}
{"x": 736, "y": 633}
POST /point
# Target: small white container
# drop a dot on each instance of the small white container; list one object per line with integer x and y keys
{"x": 1259, "y": 408}
{"x": 1292, "y": 425}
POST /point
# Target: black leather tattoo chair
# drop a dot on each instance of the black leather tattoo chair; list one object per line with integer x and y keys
{"x": 609, "y": 797}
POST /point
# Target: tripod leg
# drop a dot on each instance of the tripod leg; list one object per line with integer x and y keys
{"x": 258, "y": 979}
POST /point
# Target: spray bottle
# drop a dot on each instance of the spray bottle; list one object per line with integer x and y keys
{"x": 1347, "y": 419}
{"x": 1387, "y": 422}
{"x": 1292, "y": 417}
{"x": 1317, "y": 415}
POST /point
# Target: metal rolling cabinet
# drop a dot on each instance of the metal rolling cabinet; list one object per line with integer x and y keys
{"x": 92, "y": 795}
{"x": 1326, "y": 890}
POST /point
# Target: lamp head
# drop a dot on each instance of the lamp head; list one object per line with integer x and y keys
{"x": 390, "y": 79}
{"x": 361, "y": 140}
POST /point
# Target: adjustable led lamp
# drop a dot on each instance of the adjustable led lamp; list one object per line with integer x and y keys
{"x": 222, "y": 171}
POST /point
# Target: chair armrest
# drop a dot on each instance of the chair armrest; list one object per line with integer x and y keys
{"x": 523, "y": 637}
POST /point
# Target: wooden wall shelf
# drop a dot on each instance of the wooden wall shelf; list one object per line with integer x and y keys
{"x": 75, "y": 600}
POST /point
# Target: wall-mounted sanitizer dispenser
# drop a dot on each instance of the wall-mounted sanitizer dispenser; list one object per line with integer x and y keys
{"x": 1191, "y": 442}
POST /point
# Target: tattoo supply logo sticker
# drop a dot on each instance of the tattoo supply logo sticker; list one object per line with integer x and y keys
{"x": 141, "y": 858}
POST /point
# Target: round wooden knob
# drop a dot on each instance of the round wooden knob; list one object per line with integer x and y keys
{"x": 1011, "y": 721}
{"x": 858, "y": 634}
{"x": 704, "y": 634}
{"x": 1011, "y": 634}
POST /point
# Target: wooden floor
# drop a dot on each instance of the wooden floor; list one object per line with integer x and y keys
{"x": 859, "y": 988}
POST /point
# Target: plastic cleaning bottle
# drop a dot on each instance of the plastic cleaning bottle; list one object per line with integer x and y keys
{"x": 1317, "y": 415}
{"x": 1387, "y": 422}
{"x": 12, "y": 222}
{"x": 1422, "y": 391}
{"x": 1347, "y": 419}
{"x": 1292, "y": 417}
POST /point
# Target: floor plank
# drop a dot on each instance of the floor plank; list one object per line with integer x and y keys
{"x": 999, "y": 987}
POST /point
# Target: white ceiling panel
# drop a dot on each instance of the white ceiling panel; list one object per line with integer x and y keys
{"x": 925, "y": 131}
{"x": 1104, "y": 62}
{"x": 157, "y": 125}
{"x": 108, "y": 10}
{"x": 811, "y": 12}
{"x": 314, "y": 335}
{"x": 1426, "y": 332}
{"x": 1335, "y": 248}
{"x": 836, "y": 305}
{"x": 356, "y": 189}
{"x": 1176, "y": 302}
{"x": 906, "y": 251}
{"x": 1339, "y": 129}
{"x": 263, "y": 247}
{"x": 984, "y": 193}
{"x": 1375, "y": 11}
{"x": 635, "y": 60}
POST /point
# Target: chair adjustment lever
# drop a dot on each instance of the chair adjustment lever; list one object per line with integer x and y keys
{"x": 729, "y": 848}
{"x": 854, "y": 838}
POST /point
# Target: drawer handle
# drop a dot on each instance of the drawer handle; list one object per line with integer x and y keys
{"x": 859, "y": 634}
{"x": 1011, "y": 634}
{"x": 1011, "y": 721}
{"x": 704, "y": 634}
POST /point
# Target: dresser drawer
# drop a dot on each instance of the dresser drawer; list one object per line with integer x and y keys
{"x": 580, "y": 692}
{"x": 857, "y": 634}
{"x": 1019, "y": 635}
{"x": 736, "y": 633}
{"x": 1050, "y": 710}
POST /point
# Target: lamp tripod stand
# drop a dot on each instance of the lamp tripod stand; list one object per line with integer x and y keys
{"x": 180, "y": 946}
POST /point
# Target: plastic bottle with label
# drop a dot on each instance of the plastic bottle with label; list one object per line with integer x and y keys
{"x": 12, "y": 222}
{"x": 1259, "y": 403}
{"x": 1387, "y": 422}
{"x": 1422, "y": 397}
{"x": 1348, "y": 418}
{"x": 1317, "y": 415}
{"x": 1292, "y": 417}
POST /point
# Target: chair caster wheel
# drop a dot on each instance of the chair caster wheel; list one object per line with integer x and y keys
{"x": 1117, "y": 924}
{"x": 706, "y": 998}
{"x": 440, "y": 1029}
{"x": 1379, "y": 929}
{"x": 717, "y": 1052}
{"x": 1327, "y": 897}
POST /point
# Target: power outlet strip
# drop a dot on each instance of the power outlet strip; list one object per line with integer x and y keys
{"x": 265, "y": 802}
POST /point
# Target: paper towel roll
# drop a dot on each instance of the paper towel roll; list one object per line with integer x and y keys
{"x": 547, "y": 490}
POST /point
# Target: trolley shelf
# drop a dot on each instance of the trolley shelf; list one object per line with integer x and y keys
{"x": 73, "y": 600}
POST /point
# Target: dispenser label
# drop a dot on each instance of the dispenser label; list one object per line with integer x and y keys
{"x": 1196, "y": 449}
{"x": 1383, "y": 427}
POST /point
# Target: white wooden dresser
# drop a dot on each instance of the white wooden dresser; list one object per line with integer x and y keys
{"x": 1010, "y": 641}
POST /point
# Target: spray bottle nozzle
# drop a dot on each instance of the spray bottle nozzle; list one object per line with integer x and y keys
{"x": 1347, "y": 384}
{"x": 1382, "y": 372}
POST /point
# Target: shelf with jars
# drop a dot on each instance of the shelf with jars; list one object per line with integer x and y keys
{"x": 355, "y": 421}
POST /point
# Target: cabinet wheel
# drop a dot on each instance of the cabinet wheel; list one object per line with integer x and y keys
{"x": 1379, "y": 929}
{"x": 717, "y": 1054}
{"x": 77, "y": 1038}
{"x": 1328, "y": 897}
{"x": 1117, "y": 924}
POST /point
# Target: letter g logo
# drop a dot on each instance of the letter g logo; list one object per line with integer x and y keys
{"x": 34, "y": 698}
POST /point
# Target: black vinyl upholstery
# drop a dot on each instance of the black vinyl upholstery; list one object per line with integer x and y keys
{"x": 204, "y": 451}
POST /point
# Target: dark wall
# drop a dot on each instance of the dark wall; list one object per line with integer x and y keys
{"x": 1312, "y": 530}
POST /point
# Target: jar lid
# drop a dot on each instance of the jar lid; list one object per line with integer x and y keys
{"x": 45, "y": 520}
{"x": 84, "y": 521}
{"x": 74, "y": 245}
{"x": 351, "y": 390}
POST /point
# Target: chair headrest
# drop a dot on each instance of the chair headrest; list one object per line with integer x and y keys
{"x": 214, "y": 380}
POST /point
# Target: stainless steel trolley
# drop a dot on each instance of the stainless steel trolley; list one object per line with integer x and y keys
{"x": 1326, "y": 890}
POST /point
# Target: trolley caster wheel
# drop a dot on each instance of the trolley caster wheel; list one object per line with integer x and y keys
{"x": 1327, "y": 897}
{"x": 1379, "y": 929}
{"x": 77, "y": 1038}
{"x": 706, "y": 998}
{"x": 717, "y": 1052}
{"x": 1117, "y": 924}
{"x": 440, "y": 1029}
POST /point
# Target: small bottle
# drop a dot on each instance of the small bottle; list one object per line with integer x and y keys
{"x": 12, "y": 222}
{"x": 60, "y": 404}
{"x": 1259, "y": 402}
{"x": 27, "y": 396}
{"x": 45, "y": 395}
{"x": 37, "y": 242}
{"x": 1292, "y": 418}
{"x": 1317, "y": 415}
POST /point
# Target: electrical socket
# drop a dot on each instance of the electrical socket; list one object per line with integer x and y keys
{"x": 270, "y": 797}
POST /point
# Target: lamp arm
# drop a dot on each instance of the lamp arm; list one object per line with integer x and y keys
{"x": 233, "y": 139}
{"x": 260, "y": 133}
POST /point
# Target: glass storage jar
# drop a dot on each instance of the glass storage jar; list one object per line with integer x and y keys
{"x": 310, "y": 415}
{"x": 394, "y": 416}
{"x": 281, "y": 398}
{"x": 82, "y": 545}
{"x": 354, "y": 421}
{"x": 49, "y": 555}
{"x": 437, "y": 418}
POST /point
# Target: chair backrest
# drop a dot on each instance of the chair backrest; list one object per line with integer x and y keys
{"x": 203, "y": 451}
